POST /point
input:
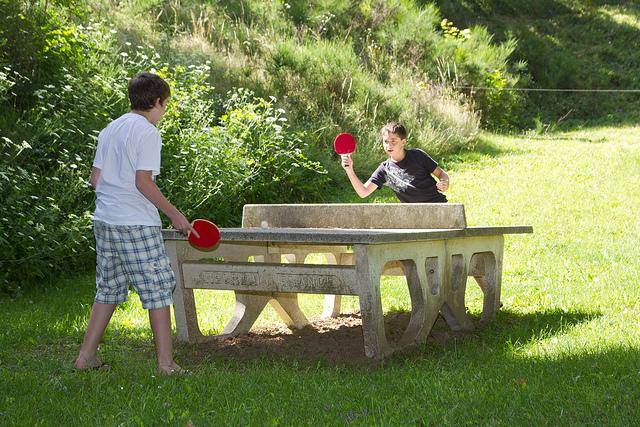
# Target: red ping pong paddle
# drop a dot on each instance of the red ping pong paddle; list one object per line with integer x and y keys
{"x": 209, "y": 234}
{"x": 344, "y": 143}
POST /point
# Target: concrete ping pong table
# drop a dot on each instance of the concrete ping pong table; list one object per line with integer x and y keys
{"x": 263, "y": 262}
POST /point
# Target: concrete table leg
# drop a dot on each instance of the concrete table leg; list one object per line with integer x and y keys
{"x": 247, "y": 309}
{"x": 368, "y": 273}
{"x": 487, "y": 271}
{"x": 482, "y": 258}
{"x": 184, "y": 305}
{"x": 454, "y": 310}
{"x": 332, "y": 303}
{"x": 418, "y": 309}
{"x": 424, "y": 280}
{"x": 286, "y": 305}
{"x": 331, "y": 306}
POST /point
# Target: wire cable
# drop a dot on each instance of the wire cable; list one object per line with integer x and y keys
{"x": 525, "y": 89}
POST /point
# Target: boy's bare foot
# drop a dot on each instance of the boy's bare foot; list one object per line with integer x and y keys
{"x": 172, "y": 369}
{"x": 83, "y": 363}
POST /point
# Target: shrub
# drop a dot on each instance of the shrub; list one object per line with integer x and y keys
{"x": 213, "y": 163}
{"x": 501, "y": 107}
{"x": 40, "y": 43}
{"x": 5, "y": 85}
{"x": 219, "y": 155}
{"x": 409, "y": 34}
{"x": 47, "y": 144}
{"x": 317, "y": 77}
{"x": 469, "y": 58}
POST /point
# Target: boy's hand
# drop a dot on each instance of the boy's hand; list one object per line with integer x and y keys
{"x": 347, "y": 161}
{"x": 442, "y": 185}
{"x": 180, "y": 222}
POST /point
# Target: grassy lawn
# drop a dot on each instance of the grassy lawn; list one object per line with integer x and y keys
{"x": 565, "y": 349}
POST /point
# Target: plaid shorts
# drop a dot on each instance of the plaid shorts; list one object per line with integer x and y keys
{"x": 132, "y": 254}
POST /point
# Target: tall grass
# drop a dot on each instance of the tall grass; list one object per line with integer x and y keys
{"x": 257, "y": 44}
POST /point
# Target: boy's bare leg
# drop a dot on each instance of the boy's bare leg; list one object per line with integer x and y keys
{"x": 98, "y": 321}
{"x": 160, "y": 319}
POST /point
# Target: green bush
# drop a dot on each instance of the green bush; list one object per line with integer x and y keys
{"x": 38, "y": 42}
{"x": 47, "y": 140}
{"x": 5, "y": 85}
{"x": 219, "y": 155}
{"x": 501, "y": 107}
{"x": 408, "y": 33}
{"x": 317, "y": 77}
{"x": 473, "y": 60}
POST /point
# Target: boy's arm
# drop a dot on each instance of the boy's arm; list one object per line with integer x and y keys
{"x": 149, "y": 189}
{"x": 443, "y": 179}
{"x": 363, "y": 190}
{"x": 95, "y": 175}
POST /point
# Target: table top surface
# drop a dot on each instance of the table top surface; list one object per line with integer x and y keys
{"x": 351, "y": 236}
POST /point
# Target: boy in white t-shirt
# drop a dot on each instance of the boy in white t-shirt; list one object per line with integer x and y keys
{"x": 129, "y": 245}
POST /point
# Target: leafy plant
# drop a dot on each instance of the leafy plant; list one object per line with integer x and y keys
{"x": 500, "y": 106}
{"x": 216, "y": 164}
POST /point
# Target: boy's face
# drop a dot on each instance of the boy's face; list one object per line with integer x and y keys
{"x": 393, "y": 144}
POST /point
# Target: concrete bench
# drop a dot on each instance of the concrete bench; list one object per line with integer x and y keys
{"x": 263, "y": 262}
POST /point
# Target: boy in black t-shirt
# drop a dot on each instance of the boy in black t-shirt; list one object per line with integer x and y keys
{"x": 408, "y": 172}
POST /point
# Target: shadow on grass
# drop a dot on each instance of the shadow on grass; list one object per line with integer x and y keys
{"x": 483, "y": 149}
{"x": 581, "y": 45}
{"x": 619, "y": 119}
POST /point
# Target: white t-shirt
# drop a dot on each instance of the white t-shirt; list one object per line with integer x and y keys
{"x": 127, "y": 144}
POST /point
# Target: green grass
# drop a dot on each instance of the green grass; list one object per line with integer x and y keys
{"x": 564, "y": 350}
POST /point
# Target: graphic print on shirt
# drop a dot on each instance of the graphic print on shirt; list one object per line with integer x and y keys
{"x": 398, "y": 179}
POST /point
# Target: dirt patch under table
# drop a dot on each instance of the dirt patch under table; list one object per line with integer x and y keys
{"x": 333, "y": 340}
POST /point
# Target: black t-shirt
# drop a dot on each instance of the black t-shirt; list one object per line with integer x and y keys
{"x": 410, "y": 178}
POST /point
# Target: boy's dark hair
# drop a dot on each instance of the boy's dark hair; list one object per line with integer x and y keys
{"x": 145, "y": 88}
{"x": 395, "y": 128}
